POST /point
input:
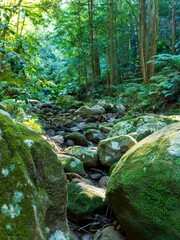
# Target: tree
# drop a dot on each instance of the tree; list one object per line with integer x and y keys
{"x": 147, "y": 23}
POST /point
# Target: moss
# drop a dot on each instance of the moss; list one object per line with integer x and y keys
{"x": 145, "y": 187}
{"x": 30, "y": 170}
{"x": 84, "y": 199}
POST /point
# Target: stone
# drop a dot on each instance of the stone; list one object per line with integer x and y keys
{"x": 103, "y": 181}
{"x": 83, "y": 111}
{"x": 94, "y": 135}
{"x": 111, "y": 150}
{"x": 142, "y": 126}
{"x": 89, "y": 111}
{"x": 71, "y": 164}
{"x": 143, "y": 189}
{"x": 70, "y": 143}
{"x": 84, "y": 200}
{"x": 67, "y": 102}
{"x": 78, "y": 138}
{"x": 33, "y": 185}
{"x": 88, "y": 156}
{"x": 108, "y": 233}
{"x": 58, "y": 140}
{"x": 97, "y": 110}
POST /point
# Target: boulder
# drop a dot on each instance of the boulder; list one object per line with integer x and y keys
{"x": 83, "y": 111}
{"x": 67, "y": 102}
{"x": 71, "y": 164}
{"x": 78, "y": 138}
{"x": 89, "y": 111}
{"x": 142, "y": 126}
{"x": 94, "y": 135}
{"x": 88, "y": 156}
{"x": 84, "y": 200}
{"x": 97, "y": 110}
{"x": 33, "y": 184}
{"x": 144, "y": 187}
{"x": 111, "y": 150}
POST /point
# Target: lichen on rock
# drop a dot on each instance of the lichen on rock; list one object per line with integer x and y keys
{"x": 33, "y": 185}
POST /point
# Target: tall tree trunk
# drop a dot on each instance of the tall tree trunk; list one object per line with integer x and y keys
{"x": 173, "y": 26}
{"x": 111, "y": 32}
{"x": 90, "y": 12}
{"x": 142, "y": 39}
{"x": 97, "y": 69}
{"x": 154, "y": 35}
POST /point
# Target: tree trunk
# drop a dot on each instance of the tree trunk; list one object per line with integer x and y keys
{"x": 153, "y": 35}
{"x": 173, "y": 26}
{"x": 111, "y": 32}
{"x": 90, "y": 12}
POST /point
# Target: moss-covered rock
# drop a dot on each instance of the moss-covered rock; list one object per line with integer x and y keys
{"x": 144, "y": 187}
{"x": 142, "y": 126}
{"x": 33, "y": 185}
{"x": 88, "y": 156}
{"x": 78, "y": 138}
{"x": 71, "y": 164}
{"x": 94, "y": 135}
{"x": 84, "y": 200}
{"x": 111, "y": 150}
{"x": 67, "y": 102}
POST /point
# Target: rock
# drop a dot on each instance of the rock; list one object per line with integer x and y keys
{"x": 87, "y": 111}
{"x": 84, "y": 200}
{"x": 97, "y": 110}
{"x": 71, "y": 164}
{"x": 94, "y": 135}
{"x": 50, "y": 132}
{"x": 103, "y": 181}
{"x": 67, "y": 102}
{"x": 142, "y": 126}
{"x": 111, "y": 149}
{"x": 58, "y": 140}
{"x": 105, "y": 127}
{"x": 87, "y": 155}
{"x": 88, "y": 236}
{"x": 108, "y": 233}
{"x": 78, "y": 138}
{"x": 70, "y": 143}
{"x": 83, "y": 111}
{"x": 89, "y": 126}
{"x": 144, "y": 187}
{"x": 33, "y": 185}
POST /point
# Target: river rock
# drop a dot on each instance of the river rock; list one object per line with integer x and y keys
{"x": 84, "y": 200}
{"x": 71, "y": 164}
{"x": 33, "y": 185}
{"x": 88, "y": 156}
{"x": 111, "y": 149}
{"x": 142, "y": 126}
{"x": 94, "y": 135}
{"x": 67, "y": 102}
{"x": 144, "y": 190}
{"x": 78, "y": 138}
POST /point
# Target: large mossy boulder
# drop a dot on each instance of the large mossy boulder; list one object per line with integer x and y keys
{"x": 144, "y": 188}
{"x": 111, "y": 150}
{"x": 32, "y": 184}
{"x": 84, "y": 200}
{"x": 142, "y": 126}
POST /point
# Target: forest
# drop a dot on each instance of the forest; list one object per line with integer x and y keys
{"x": 97, "y": 81}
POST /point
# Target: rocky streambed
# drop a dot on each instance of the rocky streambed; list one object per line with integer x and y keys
{"x": 90, "y": 141}
{"x": 122, "y": 175}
